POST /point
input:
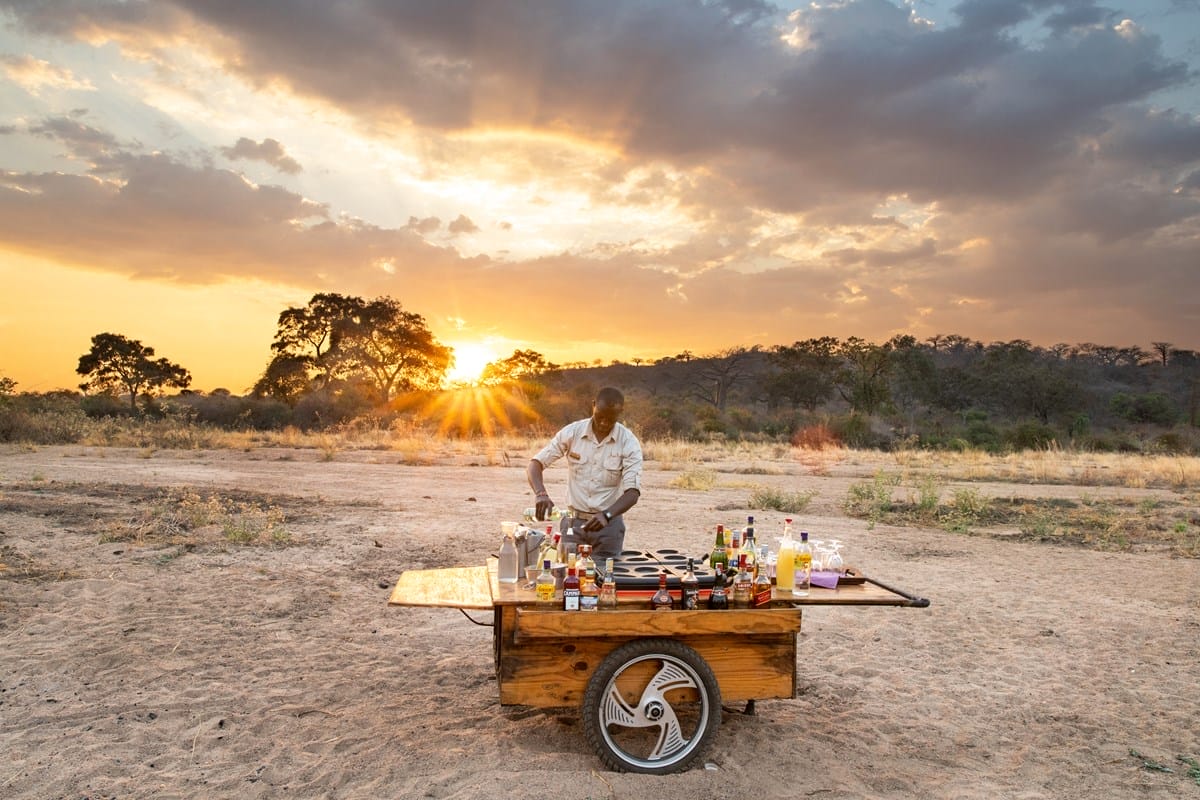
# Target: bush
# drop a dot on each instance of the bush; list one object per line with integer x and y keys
{"x": 766, "y": 497}
{"x": 1154, "y": 408}
{"x": 1031, "y": 436}
{"x": 815, "y": 437}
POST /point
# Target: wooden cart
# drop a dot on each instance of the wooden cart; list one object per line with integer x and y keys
{"x": 650, "y": 683}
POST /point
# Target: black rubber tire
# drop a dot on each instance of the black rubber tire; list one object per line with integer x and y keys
{"x": 688, "y": 726}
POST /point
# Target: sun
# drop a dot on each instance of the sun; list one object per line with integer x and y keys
{"x": 469, "y": 360}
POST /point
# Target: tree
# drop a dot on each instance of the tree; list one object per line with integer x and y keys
{"x": 1163, "y": 349}
{"x": 115, "y": 363}
{"x": 803, "y": 372}
{"x": 721, "y": 373}
{"x": 521, "y": 364}
{"x": 862, "y": 380}
{"x": 393, "y": 348}
{"x": 307, "y": 340}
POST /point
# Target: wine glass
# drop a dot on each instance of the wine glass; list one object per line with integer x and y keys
{"x": 834, "y": 561}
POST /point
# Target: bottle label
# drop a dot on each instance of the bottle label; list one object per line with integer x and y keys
{"x": 691, "y": 599}
{"x": 589, "y": 602}
{"x": 570, "y": 599}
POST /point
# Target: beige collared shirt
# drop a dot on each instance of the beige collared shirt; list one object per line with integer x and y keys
{"x": 597, "y": 472}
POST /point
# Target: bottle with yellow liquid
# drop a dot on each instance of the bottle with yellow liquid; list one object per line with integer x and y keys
{"x": 785, "y": 562}
{"x": 545, "y": 586}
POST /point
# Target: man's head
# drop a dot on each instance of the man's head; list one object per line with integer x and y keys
{"x": 606, "y": 410}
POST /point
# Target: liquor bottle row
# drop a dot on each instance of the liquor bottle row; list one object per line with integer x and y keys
{"x": 581, "y": 591}
{"x": 790, "y": 568}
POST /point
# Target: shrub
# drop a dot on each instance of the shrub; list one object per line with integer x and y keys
{"x": 1154, "y": 408}
{"x": 1031, "y": 436}
{"x": 815, "y": 437}
{"x": 766, "y": 497}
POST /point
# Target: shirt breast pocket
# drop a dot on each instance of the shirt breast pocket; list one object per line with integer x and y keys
{"x": 612, "y": 470}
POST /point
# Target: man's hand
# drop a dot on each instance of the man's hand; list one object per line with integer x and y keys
{"x": 543, "y": 507}
{"x": 596, "y": 523}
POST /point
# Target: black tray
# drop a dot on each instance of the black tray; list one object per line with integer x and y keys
{"x": 639, "y": 569}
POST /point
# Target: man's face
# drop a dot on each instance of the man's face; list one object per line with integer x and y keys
{"x": 604, "y": 418}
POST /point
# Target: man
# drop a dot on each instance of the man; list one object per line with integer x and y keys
{"x": 604, "y": 477}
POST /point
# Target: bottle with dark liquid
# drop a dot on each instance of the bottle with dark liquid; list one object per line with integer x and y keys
{"x": 571, "y": 591}
{"x": 762, "y": 595}
{"x": 690, "y": 585}
{"x": 662, "y": 599}
{"x": 719, "y": 598}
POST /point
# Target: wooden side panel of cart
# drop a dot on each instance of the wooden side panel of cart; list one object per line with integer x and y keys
{"x": 545, "y": 658}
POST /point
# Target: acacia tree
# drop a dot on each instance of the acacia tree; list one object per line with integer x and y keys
{"x": 116, "y": 362}
{"x": 392, "y": 347}
{"x": 306, "y": 345}
{"x": 521, "y": 364}
{"x": 803, "y": 372}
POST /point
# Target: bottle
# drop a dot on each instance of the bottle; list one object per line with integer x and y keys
{"x": 571, "y": 590}
{"x": 549, "y": 546}
{"x": 608, "y": 592}
{"x": 734, "y": 548}
{"x": 545, "y": 586}
{"x": 689, "y": 595}
{"x": 719, "y": 598}
{"x": 585, "y": 561}
{"x": 743, "y": 585}
{"x": 662, "y": 599}
{"x": 762, "y": 595}
{"x": 749, "y": 545}
{"x": 719, "y": 555}
{"x": 508, "y": 560}
{"x": 803, "y": 565}
{"x": 589, "y": 593}
{"x": 785, "y": 564}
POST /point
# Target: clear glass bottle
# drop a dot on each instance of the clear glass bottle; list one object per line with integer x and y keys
{"x": 544, "y": 586}
{"x": 803, "y": 566}
{"x": 509, "y": 569}
{"x": 608, "y": 591}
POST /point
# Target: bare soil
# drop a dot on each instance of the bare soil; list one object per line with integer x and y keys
{"x": 141, "y": 657}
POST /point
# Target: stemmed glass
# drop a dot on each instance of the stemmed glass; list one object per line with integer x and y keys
{"x": 834, "y": 562}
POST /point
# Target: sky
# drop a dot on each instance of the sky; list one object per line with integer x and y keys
{"x": 595, "y": 180}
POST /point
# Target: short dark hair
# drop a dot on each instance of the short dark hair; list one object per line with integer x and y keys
{"x": 610, "y": 397}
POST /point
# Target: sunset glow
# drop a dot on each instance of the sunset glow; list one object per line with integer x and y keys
{"x": 469, "y": 360}
{"x": 569, "y": 183}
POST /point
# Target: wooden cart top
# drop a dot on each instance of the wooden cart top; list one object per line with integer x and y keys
{"x": 479, "y": 588}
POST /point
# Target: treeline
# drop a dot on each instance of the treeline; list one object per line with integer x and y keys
{"x": 344, "y": 361}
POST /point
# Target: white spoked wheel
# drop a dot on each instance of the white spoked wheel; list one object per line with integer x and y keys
{"x": 652, "y": 706}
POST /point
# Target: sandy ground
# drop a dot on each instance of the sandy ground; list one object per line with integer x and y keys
{"x": 159, "y": 670}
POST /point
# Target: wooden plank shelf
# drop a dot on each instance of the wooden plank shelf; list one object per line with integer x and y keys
{"x": 533, "y": 624}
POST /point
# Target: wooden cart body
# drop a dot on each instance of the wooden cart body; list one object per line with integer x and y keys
{"x": 545, "y": 658}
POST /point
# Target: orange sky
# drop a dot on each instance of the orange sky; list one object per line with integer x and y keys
{"x": 596, "y": 181}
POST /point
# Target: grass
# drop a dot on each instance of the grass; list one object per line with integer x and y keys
{"x": 1112, "y": 523}
{"x": 696, "y": 479}
{"x": 767, "y": 497}
{"x": 182, "y": 517}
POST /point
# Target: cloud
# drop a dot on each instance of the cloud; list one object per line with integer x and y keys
{"x": 35, "y": 75}
{"x": 1025, "y": 132}
{"x": 462, "y": 224}
{"x": 268, "y": 150}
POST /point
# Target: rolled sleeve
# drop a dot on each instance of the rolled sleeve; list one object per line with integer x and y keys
{"x": 631, "y": 467}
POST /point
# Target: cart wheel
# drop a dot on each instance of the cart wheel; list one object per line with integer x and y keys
{"x": 652, "y": 706}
